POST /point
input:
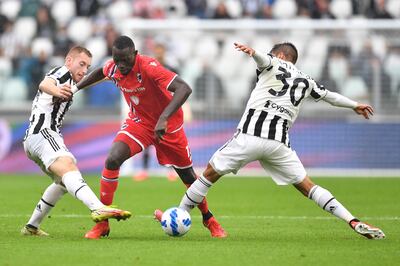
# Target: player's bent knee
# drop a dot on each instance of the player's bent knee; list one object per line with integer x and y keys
{"x": 61, "y": 166}
{"x": 119, "y": 153}
{"x": 113, "y": 162}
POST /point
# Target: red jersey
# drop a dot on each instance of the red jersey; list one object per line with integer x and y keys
{"x": 145, "y": 90}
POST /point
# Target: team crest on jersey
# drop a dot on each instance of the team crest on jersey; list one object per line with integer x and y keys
{"x": 58, "y": 73}
{"x": 139, "y": 77}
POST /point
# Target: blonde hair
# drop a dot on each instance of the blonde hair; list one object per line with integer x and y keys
{"x": 79, "y": 49}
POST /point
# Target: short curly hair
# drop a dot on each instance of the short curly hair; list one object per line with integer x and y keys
{"x": 288, "y": 49}
{"x": 123, "y": 42}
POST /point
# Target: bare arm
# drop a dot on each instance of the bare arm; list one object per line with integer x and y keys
{"x": 49, "y": 86}
{"x": 339, "y": 100}
{"x": 261, "y": 60}
{"x": 92, "y": 78}
{"x": 181, "y": 92}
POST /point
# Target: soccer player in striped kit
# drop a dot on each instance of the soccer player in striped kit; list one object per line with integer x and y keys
{"x": 262, "y": 133}
{"x": 44, "y": 144}
{"x": 154, "y": 95}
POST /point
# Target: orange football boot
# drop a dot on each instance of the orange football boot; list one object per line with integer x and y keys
{"x": 99, "y": 230}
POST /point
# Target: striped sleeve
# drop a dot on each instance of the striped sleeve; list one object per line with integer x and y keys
{"x": 58, "y": 73}
{"x": 318, "y": 91}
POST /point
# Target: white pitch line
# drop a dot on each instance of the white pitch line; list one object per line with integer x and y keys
{"x": 250, "y": 217}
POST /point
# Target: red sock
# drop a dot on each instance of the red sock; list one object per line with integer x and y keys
{"x": 203, "y": 206}
{"x": 108, "y": 185}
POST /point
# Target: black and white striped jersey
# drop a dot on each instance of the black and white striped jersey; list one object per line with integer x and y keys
{"x": 47, "y": 112}
{"x": 276, "y": 99}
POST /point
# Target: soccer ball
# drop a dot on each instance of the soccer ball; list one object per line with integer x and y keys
{"x": 176, "y": 221}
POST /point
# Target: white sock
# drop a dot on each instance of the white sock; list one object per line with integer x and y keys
{"x": 195, "y": 193}
{"x": 49, "y": 199}
{"x": 78, "y": 188}
{"x": 328, "y": 202}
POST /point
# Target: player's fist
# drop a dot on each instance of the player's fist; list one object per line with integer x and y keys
{"x": 160, "y": 128}
{"x": 364, "y": 110}
{"x": 65, "y": 92}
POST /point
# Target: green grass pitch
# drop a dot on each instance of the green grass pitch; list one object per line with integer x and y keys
{"x": 267, "y": 225}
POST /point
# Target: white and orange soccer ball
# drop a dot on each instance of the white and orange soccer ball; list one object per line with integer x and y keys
{"x": 176, "y": 221}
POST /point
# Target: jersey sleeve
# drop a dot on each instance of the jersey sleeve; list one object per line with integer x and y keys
{"x": 336, "y": 99}
{"x": 262, "y": 61}
{"x": 318, "y": 91}
{"x": 59, "y": 74}
{"x": 56, "y": 73}
{"x": 109, "y": 68}
{"x": 159, "y": 74}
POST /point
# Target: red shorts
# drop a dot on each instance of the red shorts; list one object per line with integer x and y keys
{"x": 173, "y": 150}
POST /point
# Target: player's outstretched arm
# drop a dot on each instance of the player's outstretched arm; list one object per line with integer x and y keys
{"x": 364, "y": 109}
{"x": 92, "y": 78}
{"x": 181, "y": 92}
{"x": 339, "y": 100}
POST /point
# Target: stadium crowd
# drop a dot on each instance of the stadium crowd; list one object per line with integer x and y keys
{"x": 35, "y": 34}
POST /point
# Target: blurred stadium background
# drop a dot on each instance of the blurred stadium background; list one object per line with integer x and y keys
{"x": 350, "y": 46}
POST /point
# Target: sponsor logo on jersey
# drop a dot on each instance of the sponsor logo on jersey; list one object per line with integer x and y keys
{"x": 153, "y": 63}
{"x": 279, "y": 108}
{"x": 135, "y": 90}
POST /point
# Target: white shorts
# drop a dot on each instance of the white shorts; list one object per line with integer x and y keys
{"x": 45, "y": 147}
{"x": 276, "y": 158}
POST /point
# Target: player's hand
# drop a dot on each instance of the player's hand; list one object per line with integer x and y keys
{"x": 65, "y": 92}
{"x": 160, "y": 129}
{"x": 364, "y": 110}
{"x": 245, "y": 49}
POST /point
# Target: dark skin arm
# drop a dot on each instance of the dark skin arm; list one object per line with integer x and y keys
{"x": 92, "y": 78}
{"x": 181, "y": 92}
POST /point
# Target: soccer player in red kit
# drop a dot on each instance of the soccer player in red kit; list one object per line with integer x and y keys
{"x": 155, "y": 96}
